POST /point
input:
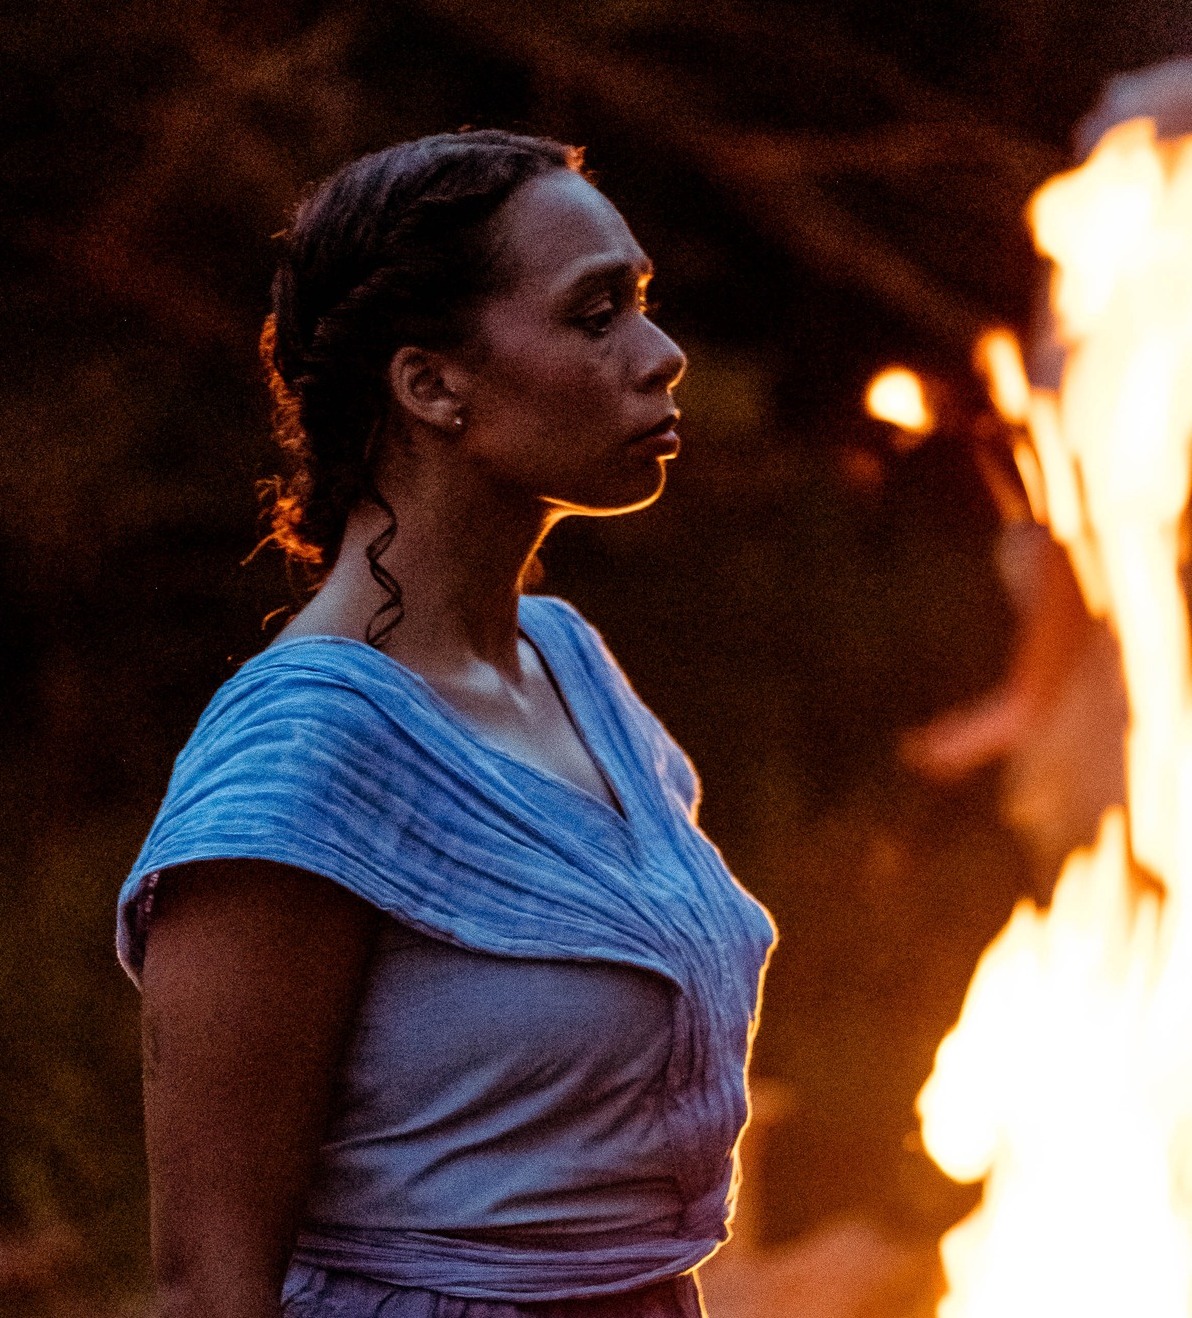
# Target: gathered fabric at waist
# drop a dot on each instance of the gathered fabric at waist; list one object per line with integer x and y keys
{"x": 325, "y": 1293}
{"x": 506, "y": 1268}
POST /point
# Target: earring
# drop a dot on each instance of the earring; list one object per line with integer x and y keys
{"x": 458, "y": 421}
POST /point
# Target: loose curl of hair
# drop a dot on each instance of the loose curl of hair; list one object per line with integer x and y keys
{"x": 395, "y": 249}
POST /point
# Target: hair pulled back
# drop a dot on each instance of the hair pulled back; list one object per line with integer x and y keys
{"x": 393, "y": 250}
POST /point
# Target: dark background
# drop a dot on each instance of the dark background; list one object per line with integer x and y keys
{"x": 825, "y": 188}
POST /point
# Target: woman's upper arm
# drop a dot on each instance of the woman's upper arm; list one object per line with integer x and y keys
{"x": 252, "y": 976}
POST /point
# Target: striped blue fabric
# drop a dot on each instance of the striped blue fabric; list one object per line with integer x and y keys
{"x": 322, "y": 1293}
{"x": 326, "y": 754}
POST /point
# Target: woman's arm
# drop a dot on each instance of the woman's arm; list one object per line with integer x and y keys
{"x": 251, "y": 979}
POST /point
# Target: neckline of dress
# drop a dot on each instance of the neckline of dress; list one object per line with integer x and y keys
{"x": 448, "y": 713}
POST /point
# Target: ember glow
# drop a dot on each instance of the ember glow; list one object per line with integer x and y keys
{"x": 1067, "y": 1083}
{"x": 896, "y": 395}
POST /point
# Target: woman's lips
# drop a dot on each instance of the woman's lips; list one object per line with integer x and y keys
{"x": 661, "y": 440}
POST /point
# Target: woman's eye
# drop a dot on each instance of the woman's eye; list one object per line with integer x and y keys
{"x": 598, "y": 322}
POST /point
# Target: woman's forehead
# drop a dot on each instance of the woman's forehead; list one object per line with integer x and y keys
{"x": 559, "y": 231}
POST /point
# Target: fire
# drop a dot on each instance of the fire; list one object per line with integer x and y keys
{"x": 1067, "y": 1083}
{"x": 896, "y": 395}
{"x": 999, "y": 360}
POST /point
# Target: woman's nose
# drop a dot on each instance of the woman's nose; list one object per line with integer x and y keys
{"x": 663, "y": 361}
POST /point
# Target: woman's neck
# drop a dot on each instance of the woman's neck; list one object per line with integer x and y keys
{"x": 459, "y": 557}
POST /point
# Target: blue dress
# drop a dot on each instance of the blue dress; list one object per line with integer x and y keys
{"x": 539, "y": 1108}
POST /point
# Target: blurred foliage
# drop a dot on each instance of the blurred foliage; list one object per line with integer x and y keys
{"x": 825, "y": 188}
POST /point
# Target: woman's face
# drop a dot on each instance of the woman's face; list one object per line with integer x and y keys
{"x": 570, "y": 400}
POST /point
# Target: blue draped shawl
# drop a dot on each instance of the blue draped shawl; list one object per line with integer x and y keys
{"x": 325, "y": 754}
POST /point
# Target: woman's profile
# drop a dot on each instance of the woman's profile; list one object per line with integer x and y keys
{"x": 447, "y": 999}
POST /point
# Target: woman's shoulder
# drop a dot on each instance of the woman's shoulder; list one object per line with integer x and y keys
{"x": 310, "y": 709}
{"x": 306, "y": 661}
{"x": 579, "y": 641}
{"x": 555, "y": 612}
{"x": 323, "y": 677}
{"x": 304, "y": 757}
{"x": 552, "y": 617}
{"x": 574, "y": 644}
{"x": 588, "y": 649}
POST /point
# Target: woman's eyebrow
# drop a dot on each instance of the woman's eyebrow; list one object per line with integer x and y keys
{"x": 613, "y": 272}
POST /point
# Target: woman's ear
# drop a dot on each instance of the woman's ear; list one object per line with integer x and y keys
{"x": 428, "y": 386}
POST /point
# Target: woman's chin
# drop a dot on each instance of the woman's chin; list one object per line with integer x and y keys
{"x": 652, "y": 497}
{"x": 629, "y": 494}
{"x": 646, "y": 487}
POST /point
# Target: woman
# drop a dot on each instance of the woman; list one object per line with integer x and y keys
{"x": 447, "y": 1001}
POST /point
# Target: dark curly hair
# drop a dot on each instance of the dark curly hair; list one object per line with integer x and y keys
{"x": 394, "y": 249}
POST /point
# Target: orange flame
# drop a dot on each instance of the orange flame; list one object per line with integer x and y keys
{"x": 999, "y": 360}
{"x": 1067, "y": 1083}
{"x": 896, "y": 395}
